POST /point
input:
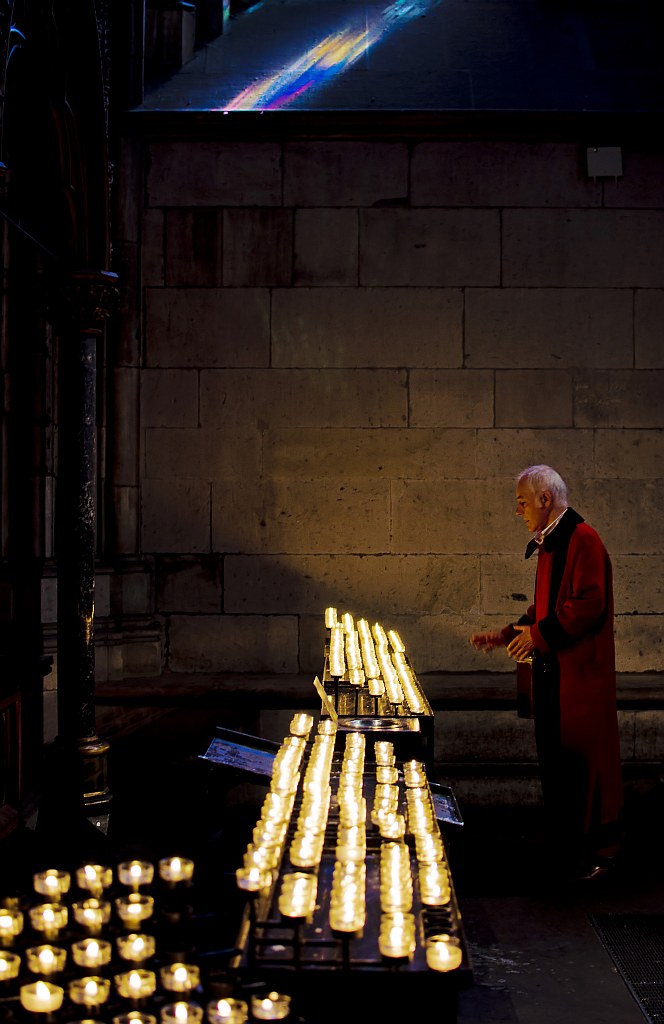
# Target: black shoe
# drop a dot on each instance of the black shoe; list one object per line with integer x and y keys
{"x": 599, "y": 867}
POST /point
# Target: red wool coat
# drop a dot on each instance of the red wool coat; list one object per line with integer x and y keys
{"x": 572, "y": 622}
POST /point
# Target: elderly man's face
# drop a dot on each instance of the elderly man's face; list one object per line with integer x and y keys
{"x": 533, "y": 508}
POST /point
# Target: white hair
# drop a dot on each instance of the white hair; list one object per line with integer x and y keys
{"x": 544, "y": 478}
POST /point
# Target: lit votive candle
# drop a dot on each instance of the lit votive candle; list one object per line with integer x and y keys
{"x": 176, "y": 869}
{"x": 92, "y": 914}
{"x": 41, "y": 997}
{"x": 301, "y": 725}
{"x": 273, "y": 1006}
{"x": 253, "y": 879}
{"x": 49, "y": 918}
{"x": 326, "y": 727}
{"x": 11, "y": 925}
{"x": 134, "y": 908}
{"x": 443, "y": 953}
{"x": 52, "y": 883}
{"x": 180, "y": 977}
{"x": 46, "y": 959}
{"x": 181, "y": 1013}
{"x": 90, "y": 991}
{"x": 136, "y": 984}
{"x": 227, "y": 1011}
{"x": 136, "y": 947}
{"x": 135, "y": 1017}
{"x": 135, "y": 873}
{"x": 9, "y": 966}
{"x": 95, "y": 878}
{"x": 91, "y": 953}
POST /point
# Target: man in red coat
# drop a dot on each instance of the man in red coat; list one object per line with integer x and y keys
{"x": 568, "y": 632}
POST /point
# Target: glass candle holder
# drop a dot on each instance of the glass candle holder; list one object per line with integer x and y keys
{"x": 273, "y": 1006}
{"x": 136, "y": 947}
{"x": 297, "y": 898}
{"x": 94, "y": 878}
{"x": 52, "y": 883}
{"x": 253, "y": 879}
{"x": 227, "y": 1011}
{"x": 443, "y": 953}
{"x": 176, "y": 869}
{"x": 11, "y": 925}
{"x": 181, "y": 1013}
{"x": 134, "y": 1017}
{"x": 49, "y": 918}
{"x": 10, "y": 964}
{"x": 91, "y": 953}
{"x": 134, "y": 909}
{"x": 326, "y": 727}
{"x": 301, "y": 725}
{"x": 41, "y": 997}
{"x": 180, "y": 977}
{"x": 396, "y": 937}
{"x": 135, "y": 873}
{"x": 136, "y": 984}
{"x": 46, "y": 959}
{"x": 89, "y": 992}
{"x": 92, "y": 914}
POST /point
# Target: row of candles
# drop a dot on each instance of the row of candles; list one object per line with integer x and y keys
{"x": 137, "y": 983}
{"x": 347, "y": 913}
{"x": 372, "y": 655}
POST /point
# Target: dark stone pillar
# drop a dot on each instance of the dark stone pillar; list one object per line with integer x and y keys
{"x": 88, "y": 298}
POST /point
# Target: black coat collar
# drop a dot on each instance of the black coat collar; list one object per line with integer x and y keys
{"x": 560, "y": 536}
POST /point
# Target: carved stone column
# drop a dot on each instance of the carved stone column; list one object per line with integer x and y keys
{"x": 88, "y": 298}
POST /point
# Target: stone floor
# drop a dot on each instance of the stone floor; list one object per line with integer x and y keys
{"x": 536, "y": 956}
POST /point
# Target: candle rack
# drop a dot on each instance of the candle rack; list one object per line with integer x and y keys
{"x": 307, "y": 954}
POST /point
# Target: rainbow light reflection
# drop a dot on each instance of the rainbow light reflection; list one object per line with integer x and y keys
{"x": 333, "y": 55}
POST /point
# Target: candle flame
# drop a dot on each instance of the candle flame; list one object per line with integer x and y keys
{"x": 90, "y": 872}
{"x": 135, "y": 870}
{"x": 181, "y": 1012}
{"x": 267, "y": 1004}
{"x": 138, "y": 945}
{"x": 51, "y": 880}
{"x": 92, "y": 949}
{"x": 42, "y": 991}
{"x": 180, "y": 973}
{"x": 47, "y": 957}
{"x": 176, "y": 865}
{"x": 5, "y": 921}
{"x": 91, "y": 988}
{"x": 49, "y": 916}
{"x": 135, "y": 980}
{"x": 4, "y": 966}
{"x": 223, "y": 1007}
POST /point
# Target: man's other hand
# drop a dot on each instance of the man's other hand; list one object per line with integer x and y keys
{"x": 487, "y": 641}
{"x": 522, "y": 646}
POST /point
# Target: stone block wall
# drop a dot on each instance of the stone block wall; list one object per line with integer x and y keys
{"x": 334, "y": 358}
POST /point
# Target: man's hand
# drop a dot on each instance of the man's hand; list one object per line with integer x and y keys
{"x": 522, "y": 646}
{"x": 487, "y": 641}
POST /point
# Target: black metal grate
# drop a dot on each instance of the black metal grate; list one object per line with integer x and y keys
{"x": 635, "y": 943}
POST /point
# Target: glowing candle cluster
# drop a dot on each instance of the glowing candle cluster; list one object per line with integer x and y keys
{"x": 434, "y": 875}
{"x": 396, "y": 880}
{"x": 307, "y": 844}
{"x": 297, "y": 897}
{"x": 348, "y": 892}
{"x": 263, "y": 854}
{"x": 360, "y": 654}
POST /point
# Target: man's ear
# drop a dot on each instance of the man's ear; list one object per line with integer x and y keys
{"x": 546, "y": 499}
